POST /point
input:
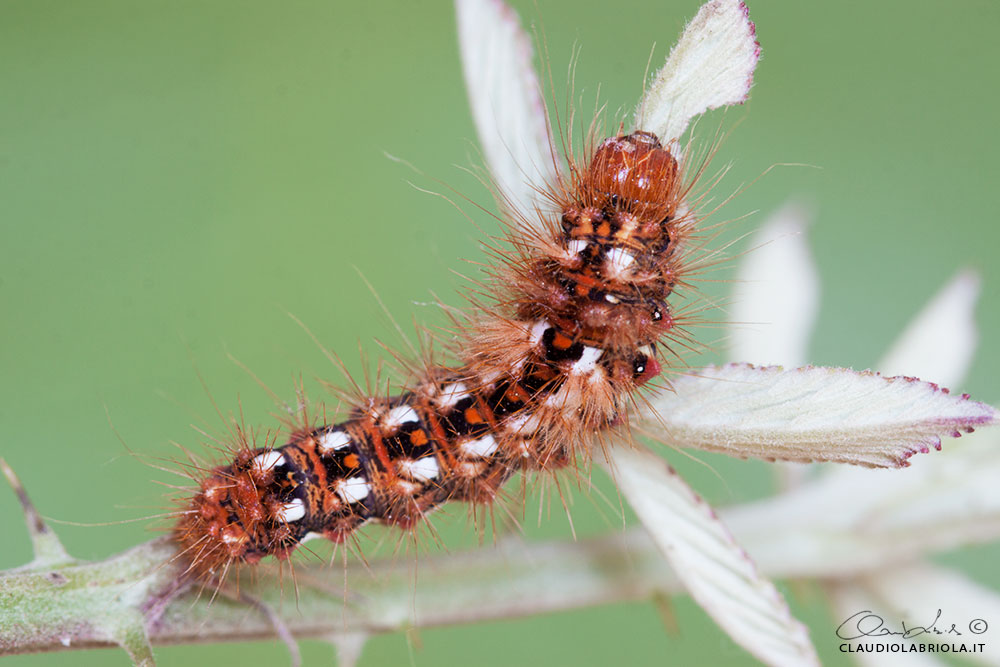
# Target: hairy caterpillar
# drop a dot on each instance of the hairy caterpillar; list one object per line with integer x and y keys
{"x": 548, "y": 363}
{"x": 848, "y": 228}
{"x": 551, "y": 363}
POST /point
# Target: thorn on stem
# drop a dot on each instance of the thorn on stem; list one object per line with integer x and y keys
{"x": 132, "y": 637}
{"x": 48, "y": 549}
{"x": 280, "y": 627}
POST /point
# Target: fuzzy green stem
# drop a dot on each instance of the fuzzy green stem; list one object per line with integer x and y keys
{"x": 87, "y": 605}
{"x": 133, "y": 599}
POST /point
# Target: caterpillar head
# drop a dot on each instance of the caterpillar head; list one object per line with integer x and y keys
{"x": 635, "y": 173}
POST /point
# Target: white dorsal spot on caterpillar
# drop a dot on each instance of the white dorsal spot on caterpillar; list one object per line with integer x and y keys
{"x": 619, "y": 261}
{"x": 398, "y": 416}
{"x": 524, "y": 425}
{"x": 424, "y": 469}
{"x": 292, "y": 511}
{"x": 574, "y": 248}
{"x": 597, "y": 376}
{"x": 538, "y": 329}
{"x": 353, "y": 489}
{"x": 269, "y": 460}
{"x": 587, "y": 362}
{"x": 452, "y": 394}
{"x": 479, "y": 448}
{"x": 333, "y": 440}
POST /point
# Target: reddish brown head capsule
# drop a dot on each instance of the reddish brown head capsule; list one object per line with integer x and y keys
{"x": 636, "y": 173}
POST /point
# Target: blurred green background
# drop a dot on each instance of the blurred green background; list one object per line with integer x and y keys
{"x": 177, "y": 177}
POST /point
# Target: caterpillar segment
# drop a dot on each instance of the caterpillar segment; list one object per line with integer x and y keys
{"x": 553, "y": 365}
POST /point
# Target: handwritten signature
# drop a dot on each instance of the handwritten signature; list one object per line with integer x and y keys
{"x": 869, "y": 624}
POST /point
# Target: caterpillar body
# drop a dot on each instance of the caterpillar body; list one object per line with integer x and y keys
{"x": 580, "y": 305}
